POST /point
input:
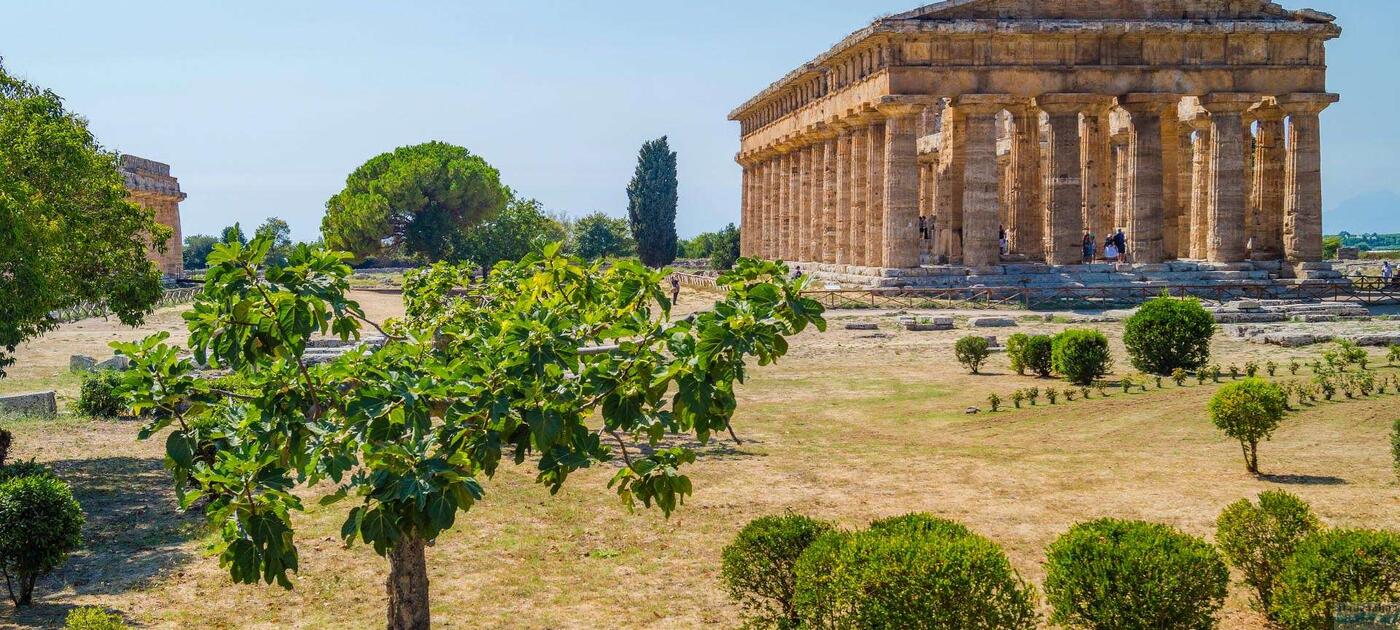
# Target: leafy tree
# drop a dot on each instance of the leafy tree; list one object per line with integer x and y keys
{"x": 519, "y": 229}
{"x": 972, "y": 351}
{"x": 281, "y": 235}
{"x": 1259, "y": 539}
{"x": 759, "y": 567}
{"x": 197, "y": 248}
{"x": 68, "y": 234}
{"x": 40, "y": 524}
{"x": 725, "y": 248}
{"x": 601, "y": 236}
{"x": 417, "y": 201}
{"x": 1339, "y": 566}
{"x": 233, "y": 234}
{"x": 1166, "y": 334}
{"x": 1081, "y": 355}
{"x": 410, "y": 431}
{"x": 1249, "y": 411}
{"x": 651, "y": 203}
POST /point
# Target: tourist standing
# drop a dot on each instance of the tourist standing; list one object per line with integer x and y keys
{"x": 1120, "y": 242}
{"x": 1089, "y": 247}
{"x": 1387, "y": 272}
{"x": 1110, "y": 251}
{"x": 1001, "y": 240}
{"x": 675, "y": 288}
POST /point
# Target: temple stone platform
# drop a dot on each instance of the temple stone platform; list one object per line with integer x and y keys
{"x": 1107, "y": 275}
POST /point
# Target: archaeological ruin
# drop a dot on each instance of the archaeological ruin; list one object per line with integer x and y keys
{"x": 149, "y": 184}
{"x": 969, "y": 138}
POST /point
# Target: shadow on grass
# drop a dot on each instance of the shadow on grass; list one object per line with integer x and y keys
{"x": 1304, "y": 480}
{"x": 134, "y": 533}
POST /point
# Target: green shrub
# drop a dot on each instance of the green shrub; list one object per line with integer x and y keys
{"x": 1335, "y": 567}
{"x": 1179, "y": 377}
{"x": 912, "y": 572}
{"x": 758, "y": 566}
{"x": 31, "y": 468}
{"x": 1259, "y": 539}
{"x": 1251, "y": 369}
{"x": 93, "y": 618}
{"x": 1033, "y": 394}
{"x": 972, "y": 352}
{"x": 98, "y": 397}
{"x": 995, "y": 402}
{"x": 1014, "y": 346}
{"x": 1038, "y": 355}
{"x": 1018, "y": 397}
{"x": 40, "y": 524}
{"x": 1081, "y": 356}
{"x": 1271, "y": 367}
{"x": 1110, "y": 574}
{"x": 1395, "y": 447}
{"x": 1249, "y": 411}
{"x": 1393, "y": 355}
{"x": 1052, "y": 395}
{"x": 5, "y": 439}
{"x": 1293, "y": 367}
{"x": 1167, "y": 333}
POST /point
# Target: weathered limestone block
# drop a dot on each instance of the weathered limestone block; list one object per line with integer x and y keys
{"x": 991, "y": 322}
{"x": 119, "y": 363}
{"x": 81, "y": 363}
{"x": 38, "y": 404}
{"x": 862, "y": 326}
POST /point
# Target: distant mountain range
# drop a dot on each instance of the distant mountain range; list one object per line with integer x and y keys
{"x": 1376, "y": 211}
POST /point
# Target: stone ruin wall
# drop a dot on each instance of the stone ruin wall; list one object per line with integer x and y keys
{"x": 149, "y": 184}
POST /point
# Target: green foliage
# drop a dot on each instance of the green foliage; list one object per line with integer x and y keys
{"x": 759, "y": 567}
{"x": 417, "y": 201}
{"x": 1251, "y": 369}
{"x": 40, "y": 524}
{"x": 1034, "y": 354}
{"x": 651, "y": 203}
{"x": 233, "y": 234}
{"x": 196, "y": 250}
{"x": 1015, "y": 346}
{"x": 68, "y": 233}
{"x": 1052, "y": 395}
{"x": 520, "y": 228}
{"x": 1033, "y": 394}
{"x": 599, "y": 236}
{"x": 1167, "y": 333}
{"x": 911, "y": 572}
{"x": 1330, "y": 245}
{"x": 725, "y": 248}
{"x": 1081, "y": 355}
{"x": 281, "y": 235}
{"x": 995, "y": 401}
{"x": 972, "y": 352}
{"x": 1018, "y": 397}
{"x": 1393, "y": 354}
{"x": 1179, "y": 377}
{"x": 410, "y": 431}
{"x": 1336, "y": 567}
{"x": 1249, "y": 411}
{"x": 6, "y": 439}
{"x": 98, "y": 397}
{"x": 1395, "y": 447}
{"x": 1259, "y": 539}
{"x": 93, "y": 618}
{"x": 31, "y": 468}
{"x": 1132, "y": 575}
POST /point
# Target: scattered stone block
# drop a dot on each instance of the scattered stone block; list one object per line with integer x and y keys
{"x": 991, "y": 322}
{"x": 862, "y": 326}
{"x": 118, "y": 362}
{"x": 81, "y": 363}
{"x": 42, "y": 404}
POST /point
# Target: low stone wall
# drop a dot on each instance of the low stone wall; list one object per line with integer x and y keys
{"x": 33, "y": 404}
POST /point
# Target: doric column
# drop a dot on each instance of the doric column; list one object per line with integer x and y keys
{"x": 860, "y": 190}
{"x": 775, "y": 211}
{"x": 1228, "y": 237}
{"x": 745, "y": 221}
{"x": 1171, "y": 173}
{"x": 830, "y": 184}
{"x": 1266, "y": 195}
{"x": 1145, "y": 175}
{"x": 1200, "y": 188}
{"x": 843, "y": 196}
{"x": 1121, "y": 164}
{"x": 1302, "y": 226}
{"x": 1026, "y": 227}
{"x": 766, "y": 225}
{"x": 900, "y": 241}
{"x": 1185, "y": 235}
{"x": 1064, "y": 189}
{"x": 804, "y": 203}
{"x": 1097, "y": 171}
{"x": 794, "y": 206}
{"x": 981, "y": 214}
{"x": 949, "y": 185}
{"x": 875, "y": 201}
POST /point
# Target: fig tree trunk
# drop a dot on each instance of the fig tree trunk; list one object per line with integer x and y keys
{"x": 408, "y": 585}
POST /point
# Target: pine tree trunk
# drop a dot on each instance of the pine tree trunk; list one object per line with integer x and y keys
{"x": 408, "y": 585}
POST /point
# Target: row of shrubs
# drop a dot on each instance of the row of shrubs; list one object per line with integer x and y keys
{"x": 1081, "y": 356}
{"x": 921, "y": 571}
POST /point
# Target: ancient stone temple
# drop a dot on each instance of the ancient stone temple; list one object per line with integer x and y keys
{"x": 149, "y": 183}
{"x": 977, "y": 133}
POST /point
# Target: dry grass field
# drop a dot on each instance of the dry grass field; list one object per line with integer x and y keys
{"x": 848, "y": 428}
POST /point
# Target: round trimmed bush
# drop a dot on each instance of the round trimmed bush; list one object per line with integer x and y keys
{"x": 1336, "y": 567}
{"x": 1166, "y": 334}
{"x": 1258, "y": 539}
{"x": 911, "y": 572}
{"x": 99, "y": 397}
{"x": 1038, "y": 354}
{"x": 1113, "y": 574}
{"x": 1081, "y": 355}
{"x": 1014, "y": 345}
{"x": 972, "y": 352}
{"x": 40, "y": 524}
{"x": 93, "y": 618}
{"x": 758, "y": 566}
{"x": 1249, "y": 411}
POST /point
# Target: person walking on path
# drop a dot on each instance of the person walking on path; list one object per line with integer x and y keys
{"x": 675, "y": 288}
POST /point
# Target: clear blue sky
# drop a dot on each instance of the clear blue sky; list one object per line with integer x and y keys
{"x": 262, "y": 108}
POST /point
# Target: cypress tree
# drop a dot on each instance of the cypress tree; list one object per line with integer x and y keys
{"x": 651, "y": 204}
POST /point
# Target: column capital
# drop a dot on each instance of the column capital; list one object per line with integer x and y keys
{"x": 821, "y": 132}
{"x": 1149, "y": 102}
{"x": 984, "y": 103}
{"x": 1307, "y": 102}
{"x": 1267, "y": 111}
{"x": 1073, "y": 103}
{"x": 1229, "y": 102}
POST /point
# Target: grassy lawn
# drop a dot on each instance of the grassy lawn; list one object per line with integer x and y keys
{"x": 850, "y": 427}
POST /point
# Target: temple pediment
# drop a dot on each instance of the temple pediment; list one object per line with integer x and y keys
{"x": 1110, "y": 10}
